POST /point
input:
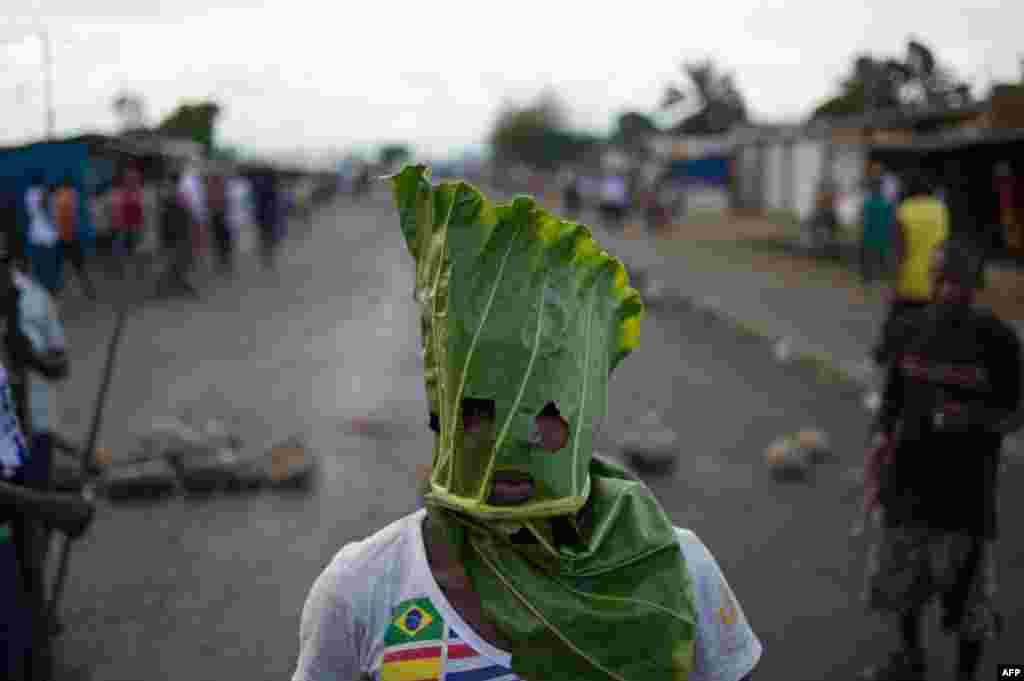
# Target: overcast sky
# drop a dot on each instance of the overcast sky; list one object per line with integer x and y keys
{"x": 310, "y": 74}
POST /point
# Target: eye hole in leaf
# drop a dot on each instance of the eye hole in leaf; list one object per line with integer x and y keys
{"x": 476, "y": 413}
{"x": 551, "y": 431}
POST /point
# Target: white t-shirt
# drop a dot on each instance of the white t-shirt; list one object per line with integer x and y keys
{"x": 40, "y": 229}
{"x": 377, "y": 612}
{"x": 191, "y": 184}
{"x": 41, "y": 325}
{"x": 239, "y": 203}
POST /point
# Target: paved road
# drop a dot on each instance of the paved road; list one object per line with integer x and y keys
{"x": 212, "y": 589}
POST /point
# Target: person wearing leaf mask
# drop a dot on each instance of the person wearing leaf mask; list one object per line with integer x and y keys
{"x": 533, "y": 559}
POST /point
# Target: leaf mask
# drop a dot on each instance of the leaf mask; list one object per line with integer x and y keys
{"x": 521, "y": 308}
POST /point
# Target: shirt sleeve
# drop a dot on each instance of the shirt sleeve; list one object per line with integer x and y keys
{"x": 329, "y": 636}
{"x": 726, "y": 647}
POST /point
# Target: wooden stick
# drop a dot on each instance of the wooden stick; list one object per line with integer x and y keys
{"x": 87, "y": 487}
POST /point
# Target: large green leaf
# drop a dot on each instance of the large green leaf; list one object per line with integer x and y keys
{"x": 521, "y": 308}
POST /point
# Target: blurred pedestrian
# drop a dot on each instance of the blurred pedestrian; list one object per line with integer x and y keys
{"x": 269, "y": 214}
{"x": 922, "y": 226}
{"x": 531, "y": 549}
{"x": 952, "y": 394}
{"x": 878, "y": 219}
{"x": 176, "y": 232}
{"x": 614, "y": 195}
{"x": 240, "y": 212}
{"x": 892, "y": 188}
{"x": 305, "y": 188}
{"x": 572, "y": 198}
{"x": 42, "y": 235}
{"x": 217, "y": 199}
{"x": 128, "y": 219}
{"x": 825, "y": 221}
{"x": 193, "y": 191}
{"x": 66, "y": 208}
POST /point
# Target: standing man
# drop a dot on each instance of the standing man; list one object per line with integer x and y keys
{"x": 128, "y": 217}
{"x": 42, "y": 235}
{"x": 922, "y": 225}
{"x": 878, "y": 219}
{"x": 269, "y": 214}
{"x": 953, "y": 392}
{"x": 176, "y": 232}
{"x": 66, "y": 206}
{"x": 827, "y": 217}
{"x": 217, "y": 192}
{"x": 533, "y": 560}
{"x": 193, "y": 191}
{"x": 240, "y": 212}
{"x": 572, "y": 198}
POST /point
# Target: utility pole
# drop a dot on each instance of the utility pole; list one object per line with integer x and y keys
{"x": 51, "y": 116}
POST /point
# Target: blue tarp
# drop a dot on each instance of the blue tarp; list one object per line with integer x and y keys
{"x": 55, "y": 161}
{"x": 713, "y": 171}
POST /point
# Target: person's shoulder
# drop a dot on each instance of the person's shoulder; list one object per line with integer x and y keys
{"x": 699, "y": 560}
{"x": 363, "y": 558}
{"x": 351, "y": 580}
{"x": 727, "y": 649}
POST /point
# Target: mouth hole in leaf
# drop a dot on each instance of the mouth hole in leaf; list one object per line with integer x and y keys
{"x": 476, "y": 413}
{"x": 551, "y": 430}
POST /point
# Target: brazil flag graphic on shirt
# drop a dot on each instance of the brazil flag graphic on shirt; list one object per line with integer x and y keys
{"x": 414, "y": 621}
{"x": 418, "y": 648}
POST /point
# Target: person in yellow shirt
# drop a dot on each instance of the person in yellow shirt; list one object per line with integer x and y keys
{"x": 922, "y": 226}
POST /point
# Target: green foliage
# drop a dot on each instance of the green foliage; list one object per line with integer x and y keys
{"x": 196, "y": 122}
{"x": 394, "y": 154}
{"x": 719, "y": 104}
{"x": 538, "y": 136}
{"x": 632, "y": 130}
{"x": 917, "y": 80}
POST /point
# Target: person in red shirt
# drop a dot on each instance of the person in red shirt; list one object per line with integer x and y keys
{"x": 953, "y": 393}
{"x": 127, "y": 216}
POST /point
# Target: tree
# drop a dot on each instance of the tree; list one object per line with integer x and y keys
{"x": 632, "y": 130}
{"x": 537, "y": 135}
{"x": 719, "y": 104}
{"x": 196, "y": 122}
{"x": 394, "y": 154}
{"x": 914, "y": 82}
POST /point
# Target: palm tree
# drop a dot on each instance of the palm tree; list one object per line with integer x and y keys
{"x": 719, "y": 104}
